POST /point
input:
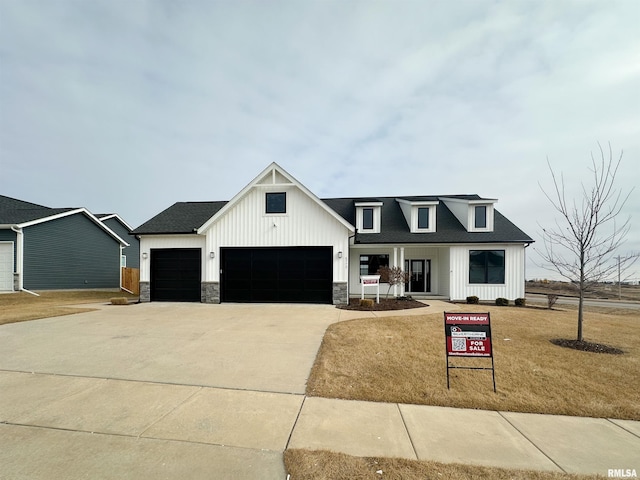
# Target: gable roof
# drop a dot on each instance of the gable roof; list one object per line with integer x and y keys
{"x": 274, "y": 174}
{"x": 189, "y": 217}
{"x": 108, "y": 216}
{"x": 181, "y": 217}
{"x": 394, "y": 228}
{"x": 18, "y": 213}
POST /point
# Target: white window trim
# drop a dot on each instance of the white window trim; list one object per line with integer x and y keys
{"x": 472, "y": 217}
{"x": 413, "y": 216}
{"x": 277, "y": 214}
{"x": 377, "y": 209}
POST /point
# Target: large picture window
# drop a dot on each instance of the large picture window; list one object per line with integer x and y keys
{"x": 486, "y": 266}
{"x": 370, "y": 264}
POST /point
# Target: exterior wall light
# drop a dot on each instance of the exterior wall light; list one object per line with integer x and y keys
{"x": 144, "y": 255}
{"x": 212, "y": 254}
{"x": 340, "y": 254}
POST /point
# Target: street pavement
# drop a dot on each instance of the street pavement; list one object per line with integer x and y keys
{"x": 592, "y": 302}
{"x": 180, "y": 391}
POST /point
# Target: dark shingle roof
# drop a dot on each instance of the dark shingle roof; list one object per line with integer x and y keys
{"x": 181, "y": 217}
{"x": 394, "y": 228}
{"x": 14, "y": 211}
{"x": 186, "y": 217}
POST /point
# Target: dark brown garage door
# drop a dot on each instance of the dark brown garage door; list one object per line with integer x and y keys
{"x": 285, "y": 275}
{"x": 175, "y": 274}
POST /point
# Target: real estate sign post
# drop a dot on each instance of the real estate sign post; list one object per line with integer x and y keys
{"x": 370, "y": 281}
{"x": 468, "y": 335}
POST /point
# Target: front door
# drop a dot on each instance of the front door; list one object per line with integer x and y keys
{"x": 420, "y": 275}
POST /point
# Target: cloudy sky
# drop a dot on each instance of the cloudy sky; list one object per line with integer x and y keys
{"x": 129, "y": 106}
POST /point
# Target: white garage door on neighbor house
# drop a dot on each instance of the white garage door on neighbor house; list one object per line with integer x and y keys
{"x": 6, "y": 266}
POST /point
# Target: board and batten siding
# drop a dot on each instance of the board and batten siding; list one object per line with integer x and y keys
{"x": 514, "y": 273}
{"x": 151, "y": 242}
{"x": 305, "y": 223}
{"x": 71, "y": 252}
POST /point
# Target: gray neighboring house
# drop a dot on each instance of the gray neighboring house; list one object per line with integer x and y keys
{"x": 130, "y": 254}
{"x": 44, "y": 248}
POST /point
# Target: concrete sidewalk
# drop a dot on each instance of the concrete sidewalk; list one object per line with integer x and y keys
{"x": 54, "y": 426}
{"x": 174, "y": 391}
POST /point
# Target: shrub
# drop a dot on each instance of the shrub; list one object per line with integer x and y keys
{"x": 119, "y": 301}
{"x": 502, "y": 302}
{"x": 520, "y": 302}
{"x": 473, "y": 299}
{"x": 366, "y": 302}
{"x": 551, "y": 300}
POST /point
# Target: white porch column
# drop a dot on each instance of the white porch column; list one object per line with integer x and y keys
{"x": 402, "y": 266}
{"x": 395, "y": 264}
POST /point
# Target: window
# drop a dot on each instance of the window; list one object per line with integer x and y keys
{"x": 367, "y": 218}
{"x": 423, "y": 217}
{"x": 481, "y": 217}
{"x": 370, "y": 264}
{"x": 486, "y": 266}
{"x": 276, "y": 203}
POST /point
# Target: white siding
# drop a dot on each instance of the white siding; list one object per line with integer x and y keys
{"x": 439, "y": 257}
{"x": 305, "y": 224}
{"x": 460, "y": 209}
{"x": 444, "y": 272}
{"x": 6, "y": 266}
{"x": 149, "y": 242}
{"x": 514, "y": 274}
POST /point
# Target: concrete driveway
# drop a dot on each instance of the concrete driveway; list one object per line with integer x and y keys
{"x": 157, "y": 390}
{"x": 239, "y": 346}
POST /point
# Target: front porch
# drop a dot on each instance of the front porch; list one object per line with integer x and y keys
{"x": 428, "y": 267}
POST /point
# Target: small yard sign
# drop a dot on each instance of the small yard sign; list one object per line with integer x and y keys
{"x": 468, "y": 335}
{"x": 370, "y": 281}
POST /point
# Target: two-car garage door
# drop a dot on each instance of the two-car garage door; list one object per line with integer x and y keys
{"x": 286, "y": 275}
{"x": 300, "y": 275}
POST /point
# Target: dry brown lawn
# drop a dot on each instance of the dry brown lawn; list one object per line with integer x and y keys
{"x": 402, "y": 360}
{"x": 324, "y": 465}
{"x": 21, "y": 306}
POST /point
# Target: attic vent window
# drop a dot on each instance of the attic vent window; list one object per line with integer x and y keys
{"x": 367, "y": 218}
{"x": 276, "y": 202}
{"x": 481, "y": 217}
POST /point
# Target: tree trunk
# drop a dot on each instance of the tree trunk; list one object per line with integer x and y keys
{"x": 581, "y": 296}
{"x": 580, "y": 305}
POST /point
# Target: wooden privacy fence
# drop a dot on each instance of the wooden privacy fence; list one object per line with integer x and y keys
{"x": 131, "y": 280}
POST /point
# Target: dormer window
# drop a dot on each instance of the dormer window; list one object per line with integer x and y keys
{"x": 368, "y": 217}
{"x": 419, "y": 214}
{"x": 480, "y": 216}
{"x": 474, "y": 213}
{"x": 423, "y": 218}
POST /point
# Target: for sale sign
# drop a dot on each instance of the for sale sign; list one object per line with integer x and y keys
{"x": 468, "y": 334}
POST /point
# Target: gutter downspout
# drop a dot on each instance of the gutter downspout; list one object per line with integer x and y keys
{"x": 20, "y": 259}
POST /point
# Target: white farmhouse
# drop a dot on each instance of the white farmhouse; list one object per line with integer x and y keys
{"x": 275, "y": 241}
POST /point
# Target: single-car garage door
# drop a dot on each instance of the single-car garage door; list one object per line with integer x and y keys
{"x": 287, "y": 275}
{"x": 175, "y": 274}
{"x": 6, "y": 266}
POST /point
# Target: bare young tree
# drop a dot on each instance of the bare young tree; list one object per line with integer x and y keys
{"x": 392, "y": 276}
{"x": 581, "y": 246}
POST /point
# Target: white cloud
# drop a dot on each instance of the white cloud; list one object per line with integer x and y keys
{"x": 131, "y": 106}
